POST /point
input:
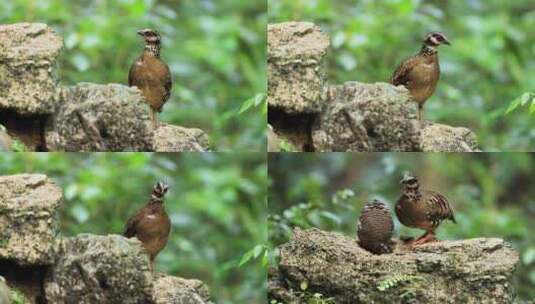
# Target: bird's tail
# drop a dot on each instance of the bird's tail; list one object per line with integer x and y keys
{"x": 159, "y": 190}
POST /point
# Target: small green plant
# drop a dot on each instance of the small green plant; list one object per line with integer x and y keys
{"x": 286, "y": 146}
{"x": 18, "y": 146}
{"x": 17, "y": 297}
{"x": 396, "y": 280}
{"x": 253, "y": 102}
{"x": 318, "y": 298}
{"x": 255, "y": 253}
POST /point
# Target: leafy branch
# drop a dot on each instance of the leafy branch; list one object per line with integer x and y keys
{"x": 254, "y": 102}
{"x": 522, "y": 101}
{"x": 258, "y": 251}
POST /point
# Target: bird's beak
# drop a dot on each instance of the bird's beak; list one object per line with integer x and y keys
{"x": 140, "y": 32}
{"x": 447, "y": 42}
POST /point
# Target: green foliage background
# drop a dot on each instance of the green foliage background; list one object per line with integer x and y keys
{"x": 492, "y": 194}
{"x": 216, "y": 203}
{"x": 490, "y": 63}
{"x": 215, "y": 49}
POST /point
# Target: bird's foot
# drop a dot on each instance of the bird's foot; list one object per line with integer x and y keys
{"x": 406, "y": 239}
{"x": 426, "y": 238}
{"x": 421, "y": 124}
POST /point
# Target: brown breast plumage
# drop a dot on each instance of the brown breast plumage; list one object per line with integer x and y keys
{"x": 152, "y": 76}
{"x": 151, "y": 225}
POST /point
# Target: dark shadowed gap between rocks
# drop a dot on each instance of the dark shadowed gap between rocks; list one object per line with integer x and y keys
{"x": 296, "y": 127}
{"x": 29, "y": 129}
{"x": 28, "y": 280}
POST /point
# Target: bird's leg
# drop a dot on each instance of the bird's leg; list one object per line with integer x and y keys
{"x": 429, "y": 236}
{"x": 420, "y": 106}
{"x": 153, "y": 120}
{"x": 151, "y": 265}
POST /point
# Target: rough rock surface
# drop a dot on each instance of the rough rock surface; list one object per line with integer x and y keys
{"x": 96, "y": 117}
{"x": 295, "y": 76}
{"x": 99, "y": 269}
{"x": 5, "y": 140}
{"x": 28, "y": 53}
{"x": 28, "y": 218}
{"x": 366, "y": 117}
{"x": 273, "y": 141}
{"x": 463, "y": 271}
{"x": 5, "y": 294}
{"x": 170, "y": 138}
{"x": 174, "y": 290}
{"x": 443, "y": 138}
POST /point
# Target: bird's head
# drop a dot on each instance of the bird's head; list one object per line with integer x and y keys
{"x": 150, "y": 36}
{"x": 435, "y": 39}
{"x": 409, "y": 181}
{"x": 159, "y": 191}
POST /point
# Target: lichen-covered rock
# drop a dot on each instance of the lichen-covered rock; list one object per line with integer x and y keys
{"x": 95, "y": 117}
{"x": 335, "y": 266}
{"x": 5, "y": 140}
{"x": 367, "y": 117}
{"x": 99, "y": 269}
{"x": 273, "y": 141}
{"x": 5, "y": 294}
{"x": 28, "y": 53}
{"x": 296, "y": 78}
{"x": 28, "y": 218}
{"x": 174, "y": 290}
{"x": 443, "y": 138}
{"x": 170, "y": 138}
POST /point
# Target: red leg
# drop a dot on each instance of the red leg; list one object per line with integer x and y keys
{"x": 429, "y": 236}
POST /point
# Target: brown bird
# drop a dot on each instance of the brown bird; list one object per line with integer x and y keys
{"x": 420, "y": 73}
{"x": 422, "y": 209}
{"x": 151, "y": 75}
{"x": 374, "y": 227}
{"x": 151, "y": 224}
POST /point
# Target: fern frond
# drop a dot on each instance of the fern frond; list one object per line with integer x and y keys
{"x": 397, "y": 279}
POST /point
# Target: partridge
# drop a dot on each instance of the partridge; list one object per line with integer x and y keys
{"x": 374, "y": 228}
{"x": 151, "y": 74}
{"x": 420, "y": 73}
{"x": 422, "y": 209}
{"x": 151, "y": 224}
